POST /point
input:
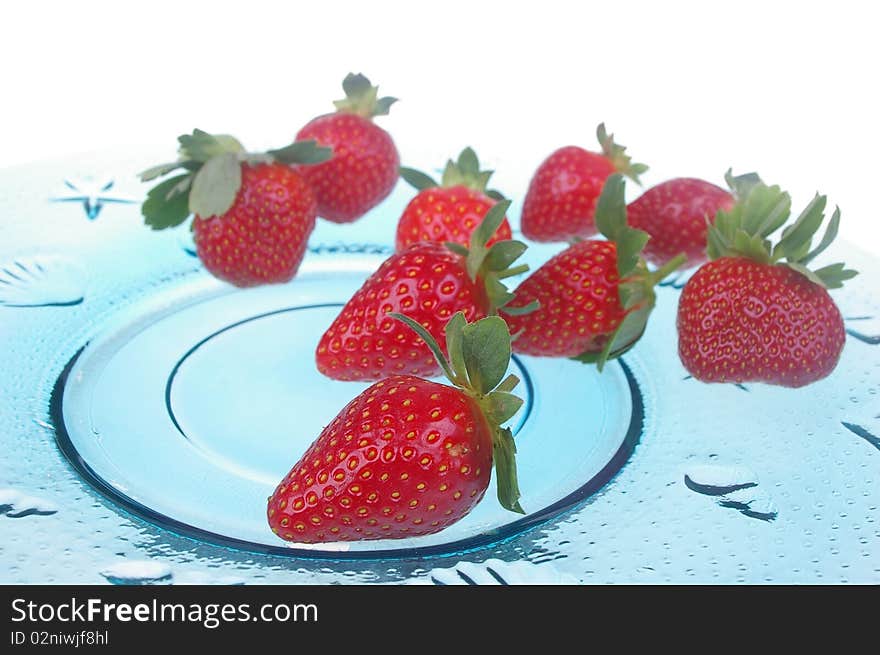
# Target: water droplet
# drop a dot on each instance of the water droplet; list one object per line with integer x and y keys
{"x": 496, "y": 572}
{"x": 717, "y": 480}
{"x": 205, "y": 578}
{"x": 41, "y": 281}
{"x": 16, "y": 504}
{"x": 137, "y": 572}
{"x": 751, "y": 502}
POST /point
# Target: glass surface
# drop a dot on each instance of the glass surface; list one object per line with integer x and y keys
{"x": 147, "y": 408}
{"x": 192, "y": 406}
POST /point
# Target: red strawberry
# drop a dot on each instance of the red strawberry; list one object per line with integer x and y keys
{"x": 595, "y": 296}
{"x": 428, "y": 282}
{"x": 449, "y": 211}
{"x": 675, "y": 213}
{"x": 562, "y": 195}
{"x": 409, "y": 457}
{"x": 364, "y": 166}
{"x": 749, "y": 316}
{"x": 253, "y": 212}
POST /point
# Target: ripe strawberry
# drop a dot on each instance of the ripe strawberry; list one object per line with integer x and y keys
{"x": 253, "y": 212}
{"x": 428, "y": 282}
{"x": 595, "y": 296}
{"x": 675, "y": 213}
{"x": 749, "y": 316}
{"x": 364, "y": 166}
{"x": 449, "y": 211}
{"x": 562, "y": 194}
{"x": 409, "y": 457}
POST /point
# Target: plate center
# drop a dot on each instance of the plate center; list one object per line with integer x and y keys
{"x": 251, "y": 399}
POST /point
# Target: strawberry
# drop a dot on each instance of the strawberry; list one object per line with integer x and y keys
{"x": 563, "y": 192}
{"x": 675, "y": 213}
{"x": 364, "y": 166}
{"x": 428, "y": 282}
{"x": 408, "y": 456}
{"x": 449, "y": 211}
{"x": 253, "y": 213}
{"x": 755, "y": 312}
{"x": 595, "y": 296}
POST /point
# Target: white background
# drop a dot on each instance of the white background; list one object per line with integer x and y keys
{"x": 692, "y": 88}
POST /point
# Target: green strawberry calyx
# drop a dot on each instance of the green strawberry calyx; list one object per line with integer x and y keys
{"x": 479, "y": 357}
{"x": 636, "y": 282}
{"x": 362, "y": 98}
{"x": 761, "y": 210}
{"x": 491, "y": 265}
{"x": 465, "y": 171}
{"x": 209, "y": 176}
{"x": 616, "y": 153}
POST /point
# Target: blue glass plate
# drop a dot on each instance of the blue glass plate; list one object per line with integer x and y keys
{"x": 148, "y": 410}
{"x": 190, "y": 407}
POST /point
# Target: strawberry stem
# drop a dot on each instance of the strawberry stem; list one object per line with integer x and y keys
{"x": 362, "y": 98}
{"x": 510, "y": 272}
{"x": 616, "y": 153}
{"x": 671, "y": 266}
{"x": 465, "y": 171}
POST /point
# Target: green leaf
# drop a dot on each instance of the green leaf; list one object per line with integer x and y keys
{"x": 751, "y": 246}
{"x": 610, "y": 212}
{"x": 764, "y": 210}
{"x": 740, "y": 185}
{"x": 616, "y": 153}
{"x": 465, "y": 171}
{"x": 158, "y": 171}
{"x": 600, "y": 358}
{"x": 468, "y": 164}
{"x": 215, "y": 186}
{"x": 181, "y": 187}
{"x": 717, "y": 243}
{"x": 362, "y": 98}
{"x": 430, "y": 341}
{"x": 827, "y": 238}
{"x": 201, "y": 146}
{"x": 761, "y": 212}
{"x": 483, "y": 232}
{"x": 454, "y": 340}
{"x": 522, "y": 311}
{"x": 505, "y": 471}
{"x": 486, "y": 349}
{"x": 416, "y": 179}
{"x": 806, "y": 272}
{"x": 495, "y": 194}
{"x": 615, "y": 347}
{"x": 630, "y": 244}
{"x": 383, "y": 106}
{"x": 503, "y": 253}
{"x": 302, "y": 152}
{"x": 834, "y": 275}
{"x": 457, "y": 248}
{"x": 796, "y": 239}
{"x": 508, "y": 384}
{"x": 356, "y": 84}
{"x": 611, "y": 221}
{"x": 496, "y": 293}
{"x": 500, "y": 406}
{"x": 162, "y": 209}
